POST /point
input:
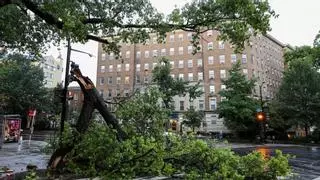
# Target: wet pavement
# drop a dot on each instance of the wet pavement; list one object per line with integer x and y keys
{"x": 306, "y": 163}
{"x": 16, "y": 157}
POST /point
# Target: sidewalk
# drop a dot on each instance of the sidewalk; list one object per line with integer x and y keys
{"x": 16, "y": 157}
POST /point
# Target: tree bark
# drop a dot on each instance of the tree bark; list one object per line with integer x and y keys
{"x": 306, "y": 127}
{"x": 92, "y": 100}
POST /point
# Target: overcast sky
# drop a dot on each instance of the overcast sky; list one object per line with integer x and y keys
{"x": 297, "y": 25}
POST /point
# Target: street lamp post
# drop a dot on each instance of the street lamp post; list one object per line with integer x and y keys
{"x": 66, "y": 83}
{"x": 262, "y": 118}
{"x": 65, "y": 90}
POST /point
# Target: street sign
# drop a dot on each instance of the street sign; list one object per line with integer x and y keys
{"x": 32, "y": 113}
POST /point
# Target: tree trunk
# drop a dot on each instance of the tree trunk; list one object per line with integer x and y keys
{"x": 92, "y": 100}
{"x": 306, "y": 129}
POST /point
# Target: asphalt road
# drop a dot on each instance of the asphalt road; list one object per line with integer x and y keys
{"x": 306, "y": 162}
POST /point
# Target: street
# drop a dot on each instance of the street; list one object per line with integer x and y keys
{"x": 17, "y": 158}
{"x": 306, "y": 162}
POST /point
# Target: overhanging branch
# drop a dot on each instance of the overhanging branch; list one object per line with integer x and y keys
{"x": 49, "y": 18}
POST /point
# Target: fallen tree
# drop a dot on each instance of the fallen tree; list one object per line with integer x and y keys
{"x": 92, "y": 101}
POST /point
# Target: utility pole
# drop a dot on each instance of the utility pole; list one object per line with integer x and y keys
{"x": 65, "y": 107}
{"x": 65, "y": 90}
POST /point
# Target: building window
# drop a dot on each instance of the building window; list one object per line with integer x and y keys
{"x": 221, "y": 45}
{"x": 201, "y": 104}
{"x": 138, "y": 67}
{"x": 223, "y": 87}
{"x": 100, "y": 92}
{"x": 172, "y": 38}
{"x": 146, "y": 54}
{"x": 109, "y": 80}
{"x": 181, "y": 76}
{"x": 180, "y": 64}
{"x": 211, "y": 74}
{"x": 180, "y": 50}
{"x": 181, "y": 105}
{"x": 172, "y": 75}
{"x": 110, "y": 93}
{"x": 200, "y": 76}
{"x": 171, "y": 64}
{"x": 127, "y": 67}
{"x": 138, "y": 79}
{"x": 101, "y": 80}
{"x": 127, "y": 54}
{"x": 154, "y": 40}
{"x": 126, "y": 80}
{"x": 210, "y": 46}
{"x": 233, "y": 58}
{"x": 189, "y": 36}
{"x": 171, "y": 51}
{"x": 118, "y": 80}
{"x": 118, "y": 67}
{"x": 155, "y": 53}
{"x": 213, "y": 121}
{"x": 212, "y": 89}
{"x": 138, "y": 55}
{"x": 190, "y": 76}
{"x": 190, "y": 64}
{"x": 146, "y": 66}
{"x": 111, "y": 56}
{"x": 199, "y": 62}
{"x": 103, "y": 56}
{"x": 180, "y": 37}
{"x": 110, "y": 68}
{"x": 209, "y": 33}
{"x": 210, "y": 60}
{"x": 163, "y": 52}
{"x": 213, "y": 103}
{"x": 244, "y": 58}
{"x": 102, "y": 69}
{"x": 222, "y": 73}
{"x": 189, "y": 49}
{"x": 146, "y": 79}
{"x": 222, "y": 59}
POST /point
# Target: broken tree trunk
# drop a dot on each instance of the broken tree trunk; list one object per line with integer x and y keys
{"x": 92, "y": 100}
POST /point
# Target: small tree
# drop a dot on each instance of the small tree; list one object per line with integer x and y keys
{"x": 193, "y": 118}
{"x": 239, "y": 107}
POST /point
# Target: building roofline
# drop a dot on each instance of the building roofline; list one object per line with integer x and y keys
{"x": 275, "y": 40}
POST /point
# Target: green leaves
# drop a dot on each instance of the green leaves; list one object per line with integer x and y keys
{"x": 299, "y": 94}
{"x": 238, "y": 108}
{"x": 30, "y": 25}
{"x": 22, "y": 85}
{"x": 193, "y": 118}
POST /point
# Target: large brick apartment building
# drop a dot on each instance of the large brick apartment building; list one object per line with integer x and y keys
{"x": 262, "y": 58}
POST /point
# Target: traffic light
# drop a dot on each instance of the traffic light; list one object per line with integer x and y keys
{"x": 260, "y": 116}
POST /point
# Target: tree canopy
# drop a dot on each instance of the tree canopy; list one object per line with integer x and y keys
{"x": 22, "y": 85}
{"x": 299, "y": 94}
{"x": 238, "y": 107}
{"x": 28, "y": 25}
